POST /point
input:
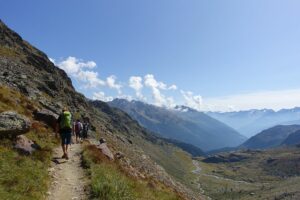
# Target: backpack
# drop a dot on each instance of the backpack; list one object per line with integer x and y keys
{"x": 65, "y": 120}
{"x": 85, "y": 127}
{"x": 78, "y": 126}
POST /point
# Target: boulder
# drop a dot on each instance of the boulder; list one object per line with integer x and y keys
{"x": 46, "y": 116}
{"x": 25, "y": 145}
{"x": 106, "y": 151}
{"x": 13, "y": 124}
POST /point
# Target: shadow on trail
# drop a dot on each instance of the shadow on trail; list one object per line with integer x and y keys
{"x": 58, "y": 160}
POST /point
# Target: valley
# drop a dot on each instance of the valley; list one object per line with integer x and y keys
{"x": 270, "y": 174}
{"x": 135, "y": 150}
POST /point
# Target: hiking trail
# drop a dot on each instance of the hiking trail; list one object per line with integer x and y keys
{"x": 68, "y": 178}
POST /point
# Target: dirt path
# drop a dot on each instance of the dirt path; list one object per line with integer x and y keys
{"x": 198, "y": 168}
{"x": 68, "y": 178}
{"x": 197, "y": 171}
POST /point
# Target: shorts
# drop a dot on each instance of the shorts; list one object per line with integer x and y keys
{"x": 65, "y": 136}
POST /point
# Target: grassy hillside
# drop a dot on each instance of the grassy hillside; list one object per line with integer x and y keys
{"x": 23, "y": 176}
{"x": 110, "y": 181}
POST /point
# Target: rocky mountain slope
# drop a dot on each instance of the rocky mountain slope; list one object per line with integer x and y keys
{"x": 272, "y": 137}
{"x": 251, "y": 122}
{"x": 191, "y": 126}
{"x": 27, "y": 72}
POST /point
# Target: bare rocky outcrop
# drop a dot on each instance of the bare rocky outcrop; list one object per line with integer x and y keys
{"x": 25, "y": 145}
{"x": 46, "y": 116}
{"x": 13, "y": 124}
{"x": 105, "y": 150}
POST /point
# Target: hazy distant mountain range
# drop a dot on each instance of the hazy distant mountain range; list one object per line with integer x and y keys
{"x": 274, "y": 137}
{"x": 183, "y": 124}
{"x": 254, "y": 121}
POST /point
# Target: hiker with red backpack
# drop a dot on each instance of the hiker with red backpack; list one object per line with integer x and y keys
{"x": 64, "y": 128}
{"x": 78, "y": 130}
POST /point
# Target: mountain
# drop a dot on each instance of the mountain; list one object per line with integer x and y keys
{"x": 292, "y": 139}
{"x": 253, "y": 121}
{"x": 182, "y": 124}
{"x": 34, "y": 88}
{"x": 272, "y": 137}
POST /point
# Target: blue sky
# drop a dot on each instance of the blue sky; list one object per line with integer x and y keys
{"x": 220, "y": 54}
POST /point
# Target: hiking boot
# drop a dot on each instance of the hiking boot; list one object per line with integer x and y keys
{"x": 64, "y": 156}
{"x": 67, "y": 157}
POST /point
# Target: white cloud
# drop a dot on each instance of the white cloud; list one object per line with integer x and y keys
{"x": 111, "y": 83}
{"x": 73, "y": 65}
{"x": 150, "y": 81}
{"x": 173, "y": 87}
{"x": 90, "y": 78}
{"x": 84, "y": 72}
{"x": 191, "y": 100}
{"x": 52, "y": 60}
{"x": 127, "y": 97}
{"x": 258, "y": 100}
{"x": 156, "y": 86}
{"x": 81, "y": 71}
{"x": 135, "y": 82}
{"x": 101, "y": 96}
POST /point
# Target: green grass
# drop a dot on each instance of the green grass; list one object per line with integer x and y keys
{"x": 13, "y": 100}
{"x": 176, "y": 162}
{"x": 110, "y": 182}
{"x": 8, "y": 52}
{"x": 24, "y": 177}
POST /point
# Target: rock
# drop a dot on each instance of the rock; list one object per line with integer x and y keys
{"x": 102, "y": 140}
{"x": 23, "y": 76}
{"x": 119, "y": 155}
{"x": 51, "y": 169}
{"x": 13, "y": 124}
{"x": 106, "y": 151}
{"x": 25, "y": 145}
{"x": 46, "y": 116}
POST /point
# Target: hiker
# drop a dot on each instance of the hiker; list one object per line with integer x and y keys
{"x": 85, "y": 129}
{"x": 78, "y": 130}
{"x": 64, "y": 128}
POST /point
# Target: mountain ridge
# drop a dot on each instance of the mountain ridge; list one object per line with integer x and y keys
{"x": 171, "y": 123}
{"x": 270, "y": 138}
{"x": 250, "y": 122}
